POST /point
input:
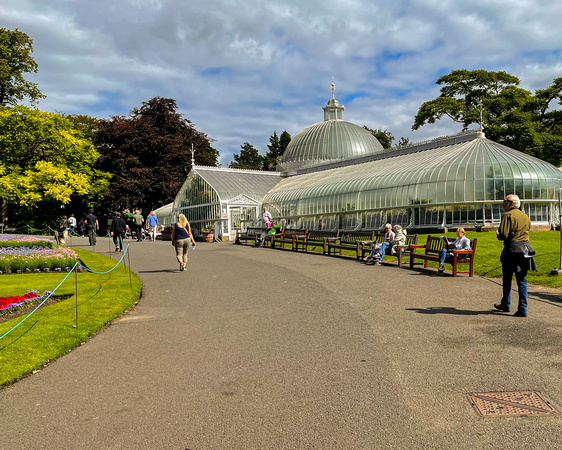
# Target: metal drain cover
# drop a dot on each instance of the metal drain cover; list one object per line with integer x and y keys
{"x": 511, "y": 404}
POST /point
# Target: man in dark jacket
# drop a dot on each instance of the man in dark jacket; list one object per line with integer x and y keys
{"x": 517, "y": 255}
{"x": 118, "y": 228}
{"x": 92, "y": 225}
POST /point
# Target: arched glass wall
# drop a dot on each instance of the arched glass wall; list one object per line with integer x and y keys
{"x": 459, "y": 184}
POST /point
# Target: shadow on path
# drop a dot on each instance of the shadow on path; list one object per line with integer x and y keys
{"x": 450, "y": 310}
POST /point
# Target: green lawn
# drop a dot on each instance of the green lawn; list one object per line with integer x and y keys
{"x": 50, "y": 332}
{"x": 488, "y": 249}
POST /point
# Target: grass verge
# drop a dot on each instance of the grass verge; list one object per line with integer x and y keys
{"x": 488, "y": 250}
{"x": 50, "y": 332}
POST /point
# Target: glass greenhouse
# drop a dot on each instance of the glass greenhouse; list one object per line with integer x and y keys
{"x": 456, "y": 181}
{"x": 223, "y": 198}
{"x": 336, "y": 175}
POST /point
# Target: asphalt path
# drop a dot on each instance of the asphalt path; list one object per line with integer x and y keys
{"x": 254, "y": 348}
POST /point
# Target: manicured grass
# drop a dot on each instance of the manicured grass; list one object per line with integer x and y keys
{"x": 50, "y": 332}
{"x": 488, "y": 250}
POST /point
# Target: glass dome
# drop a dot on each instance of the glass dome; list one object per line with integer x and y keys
{"x": 328, "y": 141}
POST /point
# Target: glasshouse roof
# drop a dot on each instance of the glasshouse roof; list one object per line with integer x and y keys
{"x": 463, "y": 168}
{"x": 331, "y": 140}
{"x": 229, "y": 183}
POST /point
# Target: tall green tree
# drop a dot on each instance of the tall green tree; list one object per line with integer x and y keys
{"x": 149, "y": 154}
{"x": 274, "y": 148}
{"x": 16, "y": 48}
{"x": 284, "y": 141}
{"x": 44, "y": 163}
{"x": 509, "y": 114}
{"x": 248, "y": 158}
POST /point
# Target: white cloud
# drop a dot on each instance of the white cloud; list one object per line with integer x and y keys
{"x": 241, "y": 69}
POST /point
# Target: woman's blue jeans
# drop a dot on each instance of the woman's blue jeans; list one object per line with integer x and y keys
{"x": 443, "y": 256}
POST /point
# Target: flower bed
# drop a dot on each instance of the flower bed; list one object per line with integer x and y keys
{"x": 9, "y": 240}
{"x": 36, "y": 259}
{"x": 13, "y": 303}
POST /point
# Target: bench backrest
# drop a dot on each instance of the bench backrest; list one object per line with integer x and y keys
{"x": 412, "y": 240}
{"x": 435, "y": 245}
{"x": 290, "y": 232}
{"x": 351, "y": 237}
{"x": 319, "y": 235}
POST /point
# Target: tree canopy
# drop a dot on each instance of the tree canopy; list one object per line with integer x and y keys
{"x": 509, "y": 114}
{"x": 16, "y": 48}
{"x": 149, "y": 154}
{"x": 248, "y": 158}
{"x": 276, "y": 148}
{"x": 45, "y": 161}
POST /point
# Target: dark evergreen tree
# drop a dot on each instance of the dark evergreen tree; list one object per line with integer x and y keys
{"x": 270, "y": 160}
{"x": 248, "y": 158}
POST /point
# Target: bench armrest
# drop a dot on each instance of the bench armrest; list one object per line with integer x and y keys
{"x": 463, "y": 252}
{"x": 365, "y": 242}
{"x": 332, "y": 239}
{"x": 416, "y": 246}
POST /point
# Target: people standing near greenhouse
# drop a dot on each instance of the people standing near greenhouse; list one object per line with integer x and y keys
{"x": 266, "y": 217}
{"x": 118, "y": 229}
{"x": 138, "y": 221}
{"x": 517, "y": 256}
{"x": 182, "y": 239}
{"x": 152, "y": 223}
{"x": 92, "y": 226}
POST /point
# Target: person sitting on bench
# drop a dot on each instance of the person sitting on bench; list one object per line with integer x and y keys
{"x": 460, "y": 243}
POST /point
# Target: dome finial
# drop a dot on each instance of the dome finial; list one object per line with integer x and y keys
{"x": 333, "y": 88}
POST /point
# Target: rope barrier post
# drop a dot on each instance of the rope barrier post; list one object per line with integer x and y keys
{"x": 109, "y": 242}
{"x": 76, "y": 284}
{"x": 129, "y": 259}
{"x": 559, "y": 270}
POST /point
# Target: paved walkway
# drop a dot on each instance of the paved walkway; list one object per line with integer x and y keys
{"x": 254, "y": 348}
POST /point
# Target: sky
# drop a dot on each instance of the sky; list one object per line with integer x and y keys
{"x": 240, "y": 70}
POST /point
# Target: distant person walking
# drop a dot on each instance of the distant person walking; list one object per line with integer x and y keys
{"x": 517, "y": 255}
{"x": 266, "y": 217}
{"x": 152, "y": 223}
{"x": 138, "y": 221}
{"x": 118, "y": 229}
{"x": 182, "y": 239}
{"x": 72, "y": 224}
{"x": 92, "y": 226}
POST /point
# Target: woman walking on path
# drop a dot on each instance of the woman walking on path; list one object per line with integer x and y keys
{"x": 182, "y": 239}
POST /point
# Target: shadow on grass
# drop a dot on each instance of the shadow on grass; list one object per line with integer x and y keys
{"x": 27, "y": 330}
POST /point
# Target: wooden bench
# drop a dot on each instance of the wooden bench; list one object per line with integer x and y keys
{"x": 250, "y": 235}
{"x": 403, "y": 250}
{"x": 288, "y": 236}
{"x": 432, "y": 249}
{"x": 316, "y": 238}
{"x": 350, "y": 240}
{"x": 367, "y": 246}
